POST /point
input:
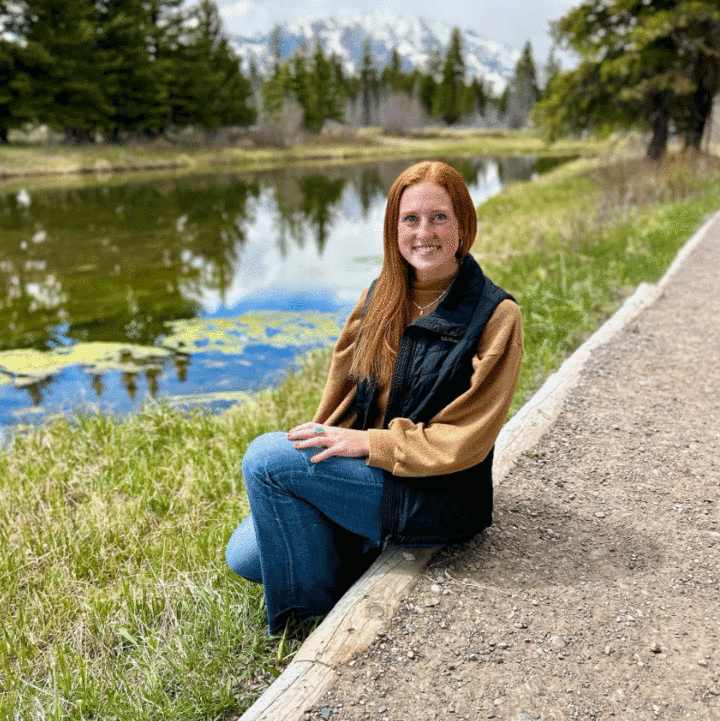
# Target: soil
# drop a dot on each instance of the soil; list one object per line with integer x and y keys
{"x": 596, "y": 593}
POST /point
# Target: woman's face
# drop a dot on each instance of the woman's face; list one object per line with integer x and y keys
{"x": 428, "y": 235}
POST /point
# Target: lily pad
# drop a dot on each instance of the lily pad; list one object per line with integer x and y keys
{"x": 278, "y": 329}
{"x": 31, "y": 363}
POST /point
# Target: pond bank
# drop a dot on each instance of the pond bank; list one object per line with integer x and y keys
{"x": 24, "y": 161}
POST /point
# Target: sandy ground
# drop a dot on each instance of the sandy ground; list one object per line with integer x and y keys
{"x": 596, "y": 593}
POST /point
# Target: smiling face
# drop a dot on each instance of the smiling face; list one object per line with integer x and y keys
{"x": 428, "y": 231}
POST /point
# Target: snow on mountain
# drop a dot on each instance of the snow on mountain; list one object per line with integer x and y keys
{"x": 415, "y": 39}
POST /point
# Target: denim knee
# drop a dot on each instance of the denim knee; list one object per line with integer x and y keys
{"x": 262, "y": 449}
{"x": 242, "y": 554}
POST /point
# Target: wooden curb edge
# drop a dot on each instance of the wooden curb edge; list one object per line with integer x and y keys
{"x": 366, "y": 609}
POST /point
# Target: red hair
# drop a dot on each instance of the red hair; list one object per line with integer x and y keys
{"x": 390, "y": 307}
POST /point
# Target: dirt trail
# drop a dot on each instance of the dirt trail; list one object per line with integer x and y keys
{"x": 596, "y": 594}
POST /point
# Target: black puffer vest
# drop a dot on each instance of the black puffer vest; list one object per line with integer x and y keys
{"x": 433, "y": 368}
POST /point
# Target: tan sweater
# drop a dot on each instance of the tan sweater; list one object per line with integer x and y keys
{"x": 461, "y": 434}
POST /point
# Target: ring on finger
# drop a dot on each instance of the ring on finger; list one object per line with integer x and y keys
{"x": 319, "y": 430}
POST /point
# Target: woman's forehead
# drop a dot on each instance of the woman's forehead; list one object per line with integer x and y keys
{"x": 425, "y": 193}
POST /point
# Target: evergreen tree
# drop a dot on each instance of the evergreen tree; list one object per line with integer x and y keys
{"x": 324, "y": 100}
{"x": 393, "y": 77}
{"x": 276, "y": 88}
{"x": 59, "y": 39}
{"x": 369, "y": 85}
{"x": 130, "y": 80}
{"x": 215, "y": 91}
{"x": 171, "y": 65}
{"x": 449, "y": 99}
{"x": 643, "y": 65}
{"x": 17, "y": 104}
{"x": 427, "y": 82}
{"x": 480, "y": 94}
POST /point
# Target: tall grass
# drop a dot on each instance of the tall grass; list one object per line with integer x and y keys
{"x": 115, "y": 601}
{"x": 572, "y": 245}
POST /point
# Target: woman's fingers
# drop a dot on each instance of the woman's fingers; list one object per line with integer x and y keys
{"x": 305, "y": 430}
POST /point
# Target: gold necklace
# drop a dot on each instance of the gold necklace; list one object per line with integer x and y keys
{"x": 423, "y": 308}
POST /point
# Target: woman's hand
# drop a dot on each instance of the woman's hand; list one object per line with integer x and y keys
{"x": 337, "y": 441}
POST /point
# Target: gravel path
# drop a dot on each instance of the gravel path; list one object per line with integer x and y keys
{"x": 596, "y": 593}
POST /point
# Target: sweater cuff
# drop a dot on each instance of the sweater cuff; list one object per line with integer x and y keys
{"x": 382, "y": 449}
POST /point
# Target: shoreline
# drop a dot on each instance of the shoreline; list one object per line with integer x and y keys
{"x": 19, "y": 162}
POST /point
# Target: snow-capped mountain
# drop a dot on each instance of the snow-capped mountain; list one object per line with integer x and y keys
{"x": 416, "y": 39}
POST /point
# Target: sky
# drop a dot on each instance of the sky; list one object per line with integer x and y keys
{"x": 512, "y": 22}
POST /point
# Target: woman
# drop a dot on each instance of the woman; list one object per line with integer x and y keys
{"x": 400, "y": 449}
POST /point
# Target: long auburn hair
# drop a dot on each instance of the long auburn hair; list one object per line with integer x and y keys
{"x": 390, "y": 307}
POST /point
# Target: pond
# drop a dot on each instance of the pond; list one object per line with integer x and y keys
{"x": 192, "y": 290}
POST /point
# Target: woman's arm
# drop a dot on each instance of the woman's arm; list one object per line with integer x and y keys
{"x": 337, "y": 403}
{"x": 463, "y": 432}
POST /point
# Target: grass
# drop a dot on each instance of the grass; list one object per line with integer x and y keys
{"x": 21, "y": 160}
{"x": 116, "y": 602}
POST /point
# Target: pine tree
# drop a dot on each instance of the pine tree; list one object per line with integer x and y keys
{"x": 276, "y": 88}
{"x": 393, "y": 77}
{"x": 59, "y": 38}
{"x": 449, "y": 99}
{"x": 17, "y": 105}
{"x": 166, "y": 21}
{"x": 643, "y": 65}
{"x": 215, "y": 91}
{"x": 427, "y": 82}
{"x": 324, "y": 100}
{"x": 130, "y": 79}
{"x": 369, "y": 85}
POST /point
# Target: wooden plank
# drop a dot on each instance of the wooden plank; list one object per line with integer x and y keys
{"x": 367, "y": 607}
{"x": 294, "y": 691}
{"x": 363, "y": 612}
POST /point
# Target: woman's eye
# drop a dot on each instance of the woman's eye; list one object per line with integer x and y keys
{"x": 410, "y": 219}
{"x": 439, "y": 217}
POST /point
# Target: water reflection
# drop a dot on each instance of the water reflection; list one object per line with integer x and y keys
{"x": 85, "y": 269}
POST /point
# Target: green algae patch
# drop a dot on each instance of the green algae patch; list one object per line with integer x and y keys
{"x": 196, "y": 399}
{"x": 98, "y": 357}
{"x": 278, "y": 329}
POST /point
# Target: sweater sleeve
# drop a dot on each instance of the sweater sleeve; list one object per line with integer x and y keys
{"x": 337, "y": 406}
{"x": 461, "y": 434}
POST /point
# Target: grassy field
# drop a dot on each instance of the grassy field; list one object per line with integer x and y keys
{"x": 17, "y": 161}
{"x": 115, "y": 600}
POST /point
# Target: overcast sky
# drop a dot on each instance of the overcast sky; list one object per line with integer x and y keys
{"x": 512, "y": 22}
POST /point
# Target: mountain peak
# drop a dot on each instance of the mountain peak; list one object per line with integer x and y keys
{"x": 415, "y": 38}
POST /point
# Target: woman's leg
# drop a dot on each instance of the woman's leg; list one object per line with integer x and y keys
{"x": 242, "y": 554}
{"x": 313, "y": 522}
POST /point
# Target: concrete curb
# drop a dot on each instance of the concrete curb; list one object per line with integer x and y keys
{"x": 366, "y": 609}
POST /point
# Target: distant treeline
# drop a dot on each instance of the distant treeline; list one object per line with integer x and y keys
{"x": 390, "y": 96}
{"x": 113, "y": 69}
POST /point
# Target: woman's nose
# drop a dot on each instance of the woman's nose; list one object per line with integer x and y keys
{"x": 425, "y": 227}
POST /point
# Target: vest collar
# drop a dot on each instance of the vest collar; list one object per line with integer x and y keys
{"x": 454, "y": 313}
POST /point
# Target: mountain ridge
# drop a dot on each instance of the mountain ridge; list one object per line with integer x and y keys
{"x": 415, "y": 38}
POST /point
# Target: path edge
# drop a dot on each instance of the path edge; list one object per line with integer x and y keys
{"x": 367, "y": 608}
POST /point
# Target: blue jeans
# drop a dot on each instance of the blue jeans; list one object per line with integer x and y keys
{"x": 314, "y": 528}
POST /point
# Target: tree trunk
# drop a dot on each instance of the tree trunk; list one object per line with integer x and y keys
{"x": 707, "y": 77}
{"x": 3, "y": 135}
{"x": 660, "y": 121}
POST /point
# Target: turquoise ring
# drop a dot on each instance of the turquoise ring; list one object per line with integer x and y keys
{"x": 319, "y": 429}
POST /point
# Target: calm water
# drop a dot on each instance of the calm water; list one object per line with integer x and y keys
{"x": 195, "y": 289}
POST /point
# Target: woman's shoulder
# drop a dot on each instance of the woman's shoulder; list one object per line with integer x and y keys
{"x": 504, "y": 326}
